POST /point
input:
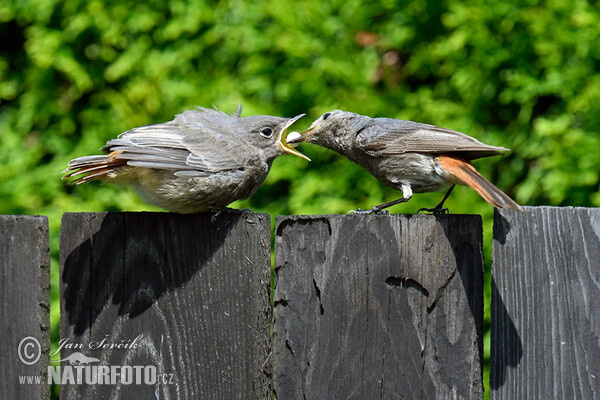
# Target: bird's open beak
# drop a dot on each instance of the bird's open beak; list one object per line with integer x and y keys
{"x": 303, "y": 136}
{"x": 285, "y": 146}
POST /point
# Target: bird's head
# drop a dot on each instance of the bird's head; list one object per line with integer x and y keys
{"x": 268, "y": 134}
{"x": 334, "y": 130}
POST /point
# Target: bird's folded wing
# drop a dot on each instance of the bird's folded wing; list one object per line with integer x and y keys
{"x": 189, "y": 149}
{"x": 392, "y": 137}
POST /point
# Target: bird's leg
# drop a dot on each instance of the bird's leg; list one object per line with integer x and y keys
{"x": 438, "y": 209}
{"x": 406, "y": 195}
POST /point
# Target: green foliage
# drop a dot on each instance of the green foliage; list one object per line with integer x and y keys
{"x": 523, "y": 75}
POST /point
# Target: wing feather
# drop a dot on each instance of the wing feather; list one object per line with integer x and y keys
{"x": 195, "y": 143}
{"x": 391, "y": 137}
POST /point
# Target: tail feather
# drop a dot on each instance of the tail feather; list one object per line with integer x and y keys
{"x": 86, "y": 160}
{"x": 466, "y": 174}
{"x": 90, "y": 168}
{"x": 84, "y": 169}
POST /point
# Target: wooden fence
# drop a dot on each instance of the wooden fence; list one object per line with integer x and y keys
{"x": 25, "y": 316}
{"x": 546, "y": 304}
{"x": 365, "y": 307}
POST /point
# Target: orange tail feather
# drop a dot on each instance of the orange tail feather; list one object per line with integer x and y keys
{"x": 90, "y": 168}
{"x": 462, "y": 172}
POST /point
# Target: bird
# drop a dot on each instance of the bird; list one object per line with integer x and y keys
{"x": 202, "y": 160}
{"x": 408, "y": 156}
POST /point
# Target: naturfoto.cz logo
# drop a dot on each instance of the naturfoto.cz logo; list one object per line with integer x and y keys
{"x": 80, "y": 369}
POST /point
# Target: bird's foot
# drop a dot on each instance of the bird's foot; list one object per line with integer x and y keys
{"x": 213, "y": 218}
{"x": 374, "y": 210}
{"x": 435, "y": 210}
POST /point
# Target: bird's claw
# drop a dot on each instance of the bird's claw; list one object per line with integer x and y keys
{"x": 213, "y": 218}
{"x": 373, "y": 210}
{"x": 377, "y": 211}
{"x": 435, "y": 210}
{"x": 357, "y": 211}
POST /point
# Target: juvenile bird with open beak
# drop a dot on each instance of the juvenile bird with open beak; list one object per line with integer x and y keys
{"x": 407, "y": 156}
{"x": 202, "y": 160}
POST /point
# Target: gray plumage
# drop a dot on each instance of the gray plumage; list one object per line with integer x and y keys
{"x": 408, "y": 156}
{"x": 203, "y": 159}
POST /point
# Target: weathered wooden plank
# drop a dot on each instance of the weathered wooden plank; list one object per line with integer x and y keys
{"x": 25, "y": 304}
{"x": 545, "y": 295}
{"x": 195, "y": 293}
{"x": 378, "y": 307}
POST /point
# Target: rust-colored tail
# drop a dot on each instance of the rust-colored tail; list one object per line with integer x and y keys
{"x": 89, "y": 168}
{"x": 466, "y": 174}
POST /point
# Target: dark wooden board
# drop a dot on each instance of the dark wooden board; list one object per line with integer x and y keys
{"x": 378, "y": 307}
{"x": 25, "y": 304}
{"x": 545, "y": 304}
{"x": 196, "y": 290}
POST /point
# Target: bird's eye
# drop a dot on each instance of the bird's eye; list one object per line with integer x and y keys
{"x": 326, "y": 115}
{"x": 266, "y": 132}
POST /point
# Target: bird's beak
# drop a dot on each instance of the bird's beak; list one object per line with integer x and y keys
{"x": 303, "y": 136}
{"x": 285, "y": 146}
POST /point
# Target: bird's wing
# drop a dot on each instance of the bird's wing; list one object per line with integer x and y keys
{"x": 192, "y": 145}
{"x": 393, "y": 137}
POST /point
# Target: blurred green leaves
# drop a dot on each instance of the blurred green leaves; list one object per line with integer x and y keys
{"x": 522, "y": 74}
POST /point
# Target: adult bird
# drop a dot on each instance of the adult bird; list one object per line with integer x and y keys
{"x": 408, "y": 156}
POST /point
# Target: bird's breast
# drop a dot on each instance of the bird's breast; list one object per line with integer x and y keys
{"x": 420, "y": 171}
{"x": 194, "y": 194}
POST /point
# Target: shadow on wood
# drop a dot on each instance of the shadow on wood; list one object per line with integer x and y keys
{"x": 507, "y": 350}
{"x": 545, "y": 319}
{"x": 466, "y": 241}
{"x": 123, "y": 258}
{"x": 196, "y": 292}
{"x": 370, "y": 307}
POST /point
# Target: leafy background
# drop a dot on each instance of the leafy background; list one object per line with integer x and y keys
{"x": 521, "y": 74}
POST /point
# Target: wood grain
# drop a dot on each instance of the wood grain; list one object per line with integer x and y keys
{"x": 545, "y": 297}
{"x": 378, "y": 307}
{"x": 25, "y": 304}
{"x": 196, "y": 290}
